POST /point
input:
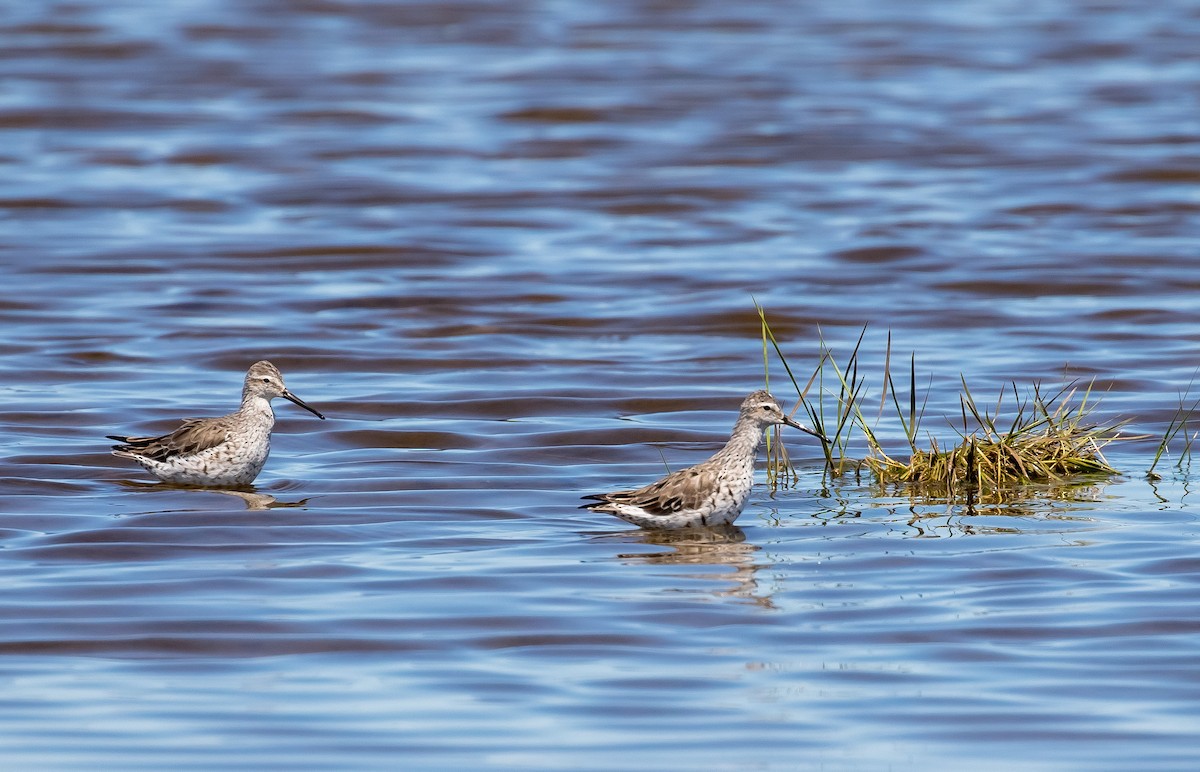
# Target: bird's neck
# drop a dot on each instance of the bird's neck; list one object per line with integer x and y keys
{"x": 743, "y": 443}
{"x": 258, "y": 406}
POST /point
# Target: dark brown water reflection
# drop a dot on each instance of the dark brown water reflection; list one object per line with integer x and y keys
{"x": 509, "y": 249}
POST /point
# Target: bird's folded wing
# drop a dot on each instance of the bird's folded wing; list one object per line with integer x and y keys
{"x": 194, "y": 436}
{"x": 683, "y": 490}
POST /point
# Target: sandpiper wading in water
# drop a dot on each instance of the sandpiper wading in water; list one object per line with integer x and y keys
{"x": 710, "y": 493}
{"x": 217, "y": 452}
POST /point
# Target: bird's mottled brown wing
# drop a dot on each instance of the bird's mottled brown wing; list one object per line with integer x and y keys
{"x": 678, "y": 491}
{"x": 194, "y": 436}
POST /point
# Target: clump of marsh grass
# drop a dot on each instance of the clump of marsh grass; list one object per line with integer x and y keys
{"x": 1043, "y": 438}
{"x": 1026, "y": 437}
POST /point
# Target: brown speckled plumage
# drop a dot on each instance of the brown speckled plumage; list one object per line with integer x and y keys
{"x": 217, "y": 452}
{"x": 711, "y": 493}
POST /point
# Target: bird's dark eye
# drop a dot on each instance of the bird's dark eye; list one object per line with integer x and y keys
{"x": 266, "y": 380}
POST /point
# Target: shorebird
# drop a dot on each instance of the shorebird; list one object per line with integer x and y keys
{"x": 217, "y": 452}
{"x": 711, "y": 493}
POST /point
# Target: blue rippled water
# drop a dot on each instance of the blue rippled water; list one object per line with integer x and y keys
{"x": 511, "y": 250}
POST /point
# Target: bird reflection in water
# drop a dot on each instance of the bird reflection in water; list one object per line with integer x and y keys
{"x": 252, "y": 499}
{"x": 722, "y": 547}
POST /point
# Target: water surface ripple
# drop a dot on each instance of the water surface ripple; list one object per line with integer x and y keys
{"x": 510, "y": 249}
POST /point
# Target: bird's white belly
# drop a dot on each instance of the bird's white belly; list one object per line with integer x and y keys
{"x": 722, "y": 508}
{"x": 231, "y": 463}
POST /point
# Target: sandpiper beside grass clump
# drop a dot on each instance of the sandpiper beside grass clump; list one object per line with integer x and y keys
{"x": 217, "y": 452}
{"x": 1039, "y": 438}
{"x": 712, "y": 493}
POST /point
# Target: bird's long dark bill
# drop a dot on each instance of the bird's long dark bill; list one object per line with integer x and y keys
{"x": 803, "y": 428}
{"x": 290, "y": 397}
